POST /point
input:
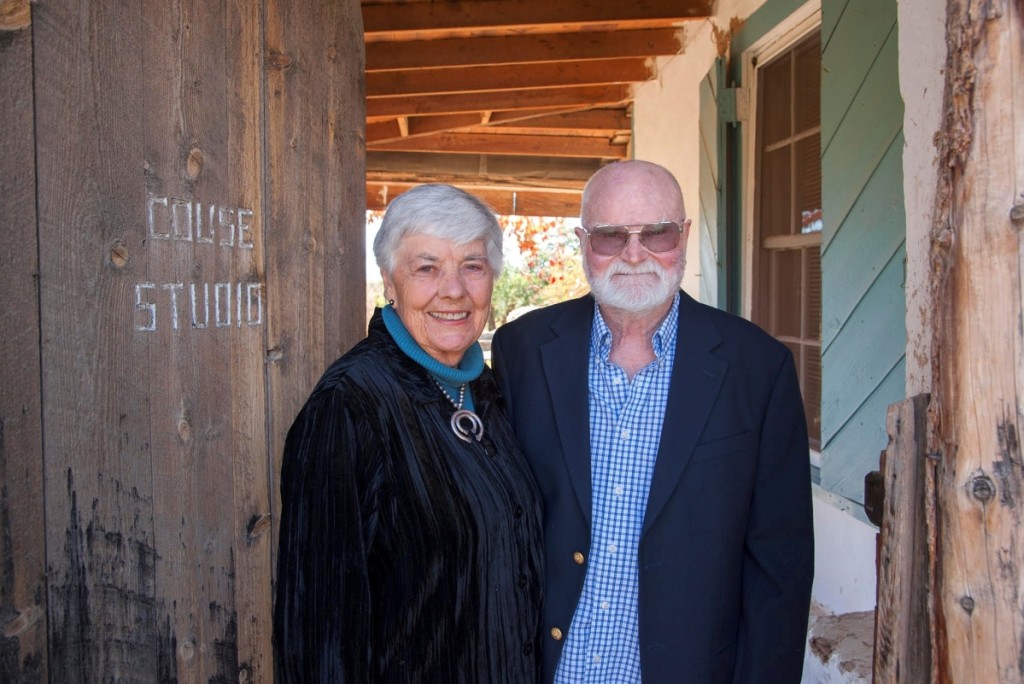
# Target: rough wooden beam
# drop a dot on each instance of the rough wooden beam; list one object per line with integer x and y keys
{"x": 977, "y": 365}
{"x": 902, "y": 638}
{"x": 484, "y": 143}
{"x": 608, "y": 120}
{"x": 505, "y": 201}
{"x": 507, "y": 77}
{"x": 544, "y": 172}
{"x": 435, "y": 18}
{"x": 518, "y": 49}
{"x": 592, "y": 96}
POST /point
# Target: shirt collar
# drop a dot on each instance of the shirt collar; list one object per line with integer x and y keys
{"x": 601, "y": 336}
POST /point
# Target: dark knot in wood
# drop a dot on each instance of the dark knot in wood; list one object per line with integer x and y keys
{"x": 982, "y": 488}
{"x": 967, "y": 603}
{"x": 1017, "y": 215}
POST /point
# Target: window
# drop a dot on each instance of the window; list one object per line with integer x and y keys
{"x": 787, "y": 221}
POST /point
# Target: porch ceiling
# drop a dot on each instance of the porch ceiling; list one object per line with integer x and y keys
{"x": 518, "y": 101}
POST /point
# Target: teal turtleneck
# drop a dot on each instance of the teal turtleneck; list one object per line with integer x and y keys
{"x": 470, "y": 367}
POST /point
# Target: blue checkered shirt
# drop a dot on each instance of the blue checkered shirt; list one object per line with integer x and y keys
{"x": 625, "y": 429}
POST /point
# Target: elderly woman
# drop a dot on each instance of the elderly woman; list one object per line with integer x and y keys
{"x": 410, "y": 545}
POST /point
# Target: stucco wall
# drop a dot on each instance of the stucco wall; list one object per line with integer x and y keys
{"x": 922, "y": 48}
{"x": 665, "y": 129}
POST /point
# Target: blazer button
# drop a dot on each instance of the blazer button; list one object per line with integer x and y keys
{"x": 556, "y": 634}
{"x": 578, "y": 557}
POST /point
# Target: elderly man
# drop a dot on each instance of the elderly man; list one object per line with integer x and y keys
{"x": 670, "y": 445}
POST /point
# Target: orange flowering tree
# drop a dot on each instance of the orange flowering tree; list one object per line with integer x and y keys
{"x": 542, "y": 265}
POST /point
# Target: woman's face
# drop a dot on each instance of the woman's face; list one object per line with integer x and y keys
{"x": 442, "y": 293}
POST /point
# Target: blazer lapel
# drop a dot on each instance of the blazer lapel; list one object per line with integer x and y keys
{"x": 565, "y": 359}
{"x": 697, "y": 377}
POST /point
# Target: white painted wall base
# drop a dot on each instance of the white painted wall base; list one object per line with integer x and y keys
{"x": 844, "y": 556}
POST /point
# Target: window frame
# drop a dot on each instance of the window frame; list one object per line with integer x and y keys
{"x": 783, "y": 37}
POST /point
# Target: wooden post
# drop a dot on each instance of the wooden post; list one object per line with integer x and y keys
{"x": 902, "y": 635}
{"x": 22, "y": 549}
{"x": 978, "y": 348}
{"x": 199, "y": 181}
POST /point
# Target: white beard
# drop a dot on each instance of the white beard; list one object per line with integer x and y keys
{"x": 634, "y": 297}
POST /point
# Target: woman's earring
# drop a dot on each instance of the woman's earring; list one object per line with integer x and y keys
{"x": 391, "y": 302}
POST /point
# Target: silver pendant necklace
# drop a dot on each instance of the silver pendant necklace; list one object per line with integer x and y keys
{"x": 465, "y": 424}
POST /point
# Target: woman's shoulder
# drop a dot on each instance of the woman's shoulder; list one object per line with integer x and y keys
{"x": 360, "y": 369}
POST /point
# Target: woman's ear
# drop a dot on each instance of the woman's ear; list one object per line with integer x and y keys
{"x": 389, "y": 289}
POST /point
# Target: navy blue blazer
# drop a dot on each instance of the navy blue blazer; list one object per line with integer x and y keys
{"x": 727, "y": 546}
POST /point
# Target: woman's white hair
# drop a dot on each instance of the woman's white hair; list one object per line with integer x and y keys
{"x": 442, "y": 211}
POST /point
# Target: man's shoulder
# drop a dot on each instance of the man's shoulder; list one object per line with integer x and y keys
{"x": 732, "y": 328}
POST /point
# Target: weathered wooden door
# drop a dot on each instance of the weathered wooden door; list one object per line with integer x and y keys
{"x": 182, "y": 200}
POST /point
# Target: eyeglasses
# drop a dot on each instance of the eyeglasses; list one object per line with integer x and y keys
{"x": 611, "y": 240}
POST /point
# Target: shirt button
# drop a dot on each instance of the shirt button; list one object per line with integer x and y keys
{"x": 612, "y": 548}
{"x": 624, "y": 434}
{"x": 597, "y": 659}
{"x": 578, "y": 557}
{"x": 605, "y": 605}
{"x": 556, "y": 634}
{"x": 618, "y": 490}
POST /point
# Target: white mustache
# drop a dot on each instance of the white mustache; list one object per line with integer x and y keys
{"x": 626, "y": 269}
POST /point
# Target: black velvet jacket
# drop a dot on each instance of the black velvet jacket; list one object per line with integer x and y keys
{"x": 406, "y": 555}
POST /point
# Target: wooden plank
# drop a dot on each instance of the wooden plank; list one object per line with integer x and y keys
{"x": 519, "y": 49}
{"x": 101, "y": 553}
{"x": 867, "y": 130}
{"x": 590, "y": 96}
{"x": 855, "y": 47}
{"x": 867, "y": 351}
{"x": 23, "y": 623}
{"x": 511, "y": 201}
{"x": 874, "y": 230}
{"x": 431, "y": 19}
{"x": 512, "y": 144}
{"x": 315, "y": 171}
{"x": 850, "y": 451}
{"x": 978, "y": 342}
{"x": 506, "y": 77}
{"x": 252, "y": 538}
{"x": 187, "y": 150}
{"x": 607, "y": 120}
{"x": 902, "y": 634}
{"x": 596, "y": 122}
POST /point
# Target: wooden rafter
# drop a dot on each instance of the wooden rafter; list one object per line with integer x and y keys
{"x": 520, "y": 49}
{"x": 529, "y": 94}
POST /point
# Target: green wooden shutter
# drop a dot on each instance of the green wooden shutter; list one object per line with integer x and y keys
{"x": 710, "y": 216}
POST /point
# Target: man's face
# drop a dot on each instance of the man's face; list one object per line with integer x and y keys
{"x": 636, "y": 279}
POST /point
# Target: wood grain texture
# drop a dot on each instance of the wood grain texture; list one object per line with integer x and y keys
{"x": 101, "y": 553}
{"x": 154, "y": 150}
{"x": 315, "y": 198}
{"x": 22, "y": 549}
{"x": 978, "y": 350}
{"x": 863, "y": 302}
{"x": 902, "y": 634}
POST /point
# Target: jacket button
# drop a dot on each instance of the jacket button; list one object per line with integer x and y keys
{"x": 528, "y": 648}
{"x": 578, "y": 557}
{"x": 518, "y": 511}
{"x": 522, "y": 581}
{"x": 556, "y": 634}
